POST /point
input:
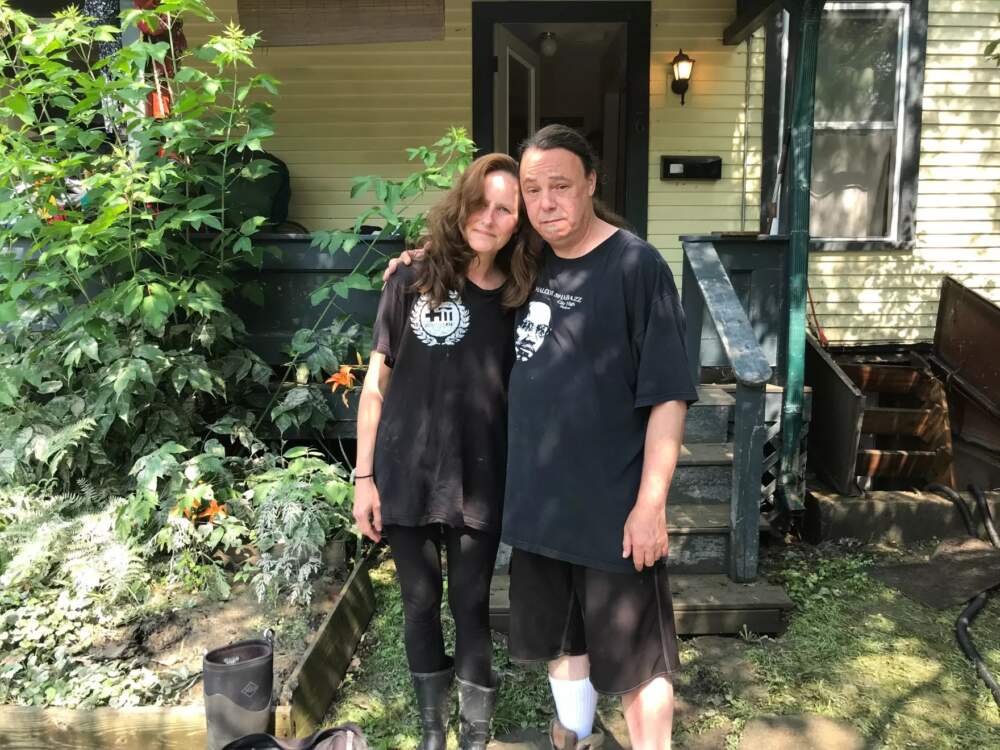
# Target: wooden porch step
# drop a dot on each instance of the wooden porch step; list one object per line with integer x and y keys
{"x": 708, "y": 419}
{"x": 893, "y": 421}
{"x": 704, "y": 473}
{"x": 703, "y": 604}
{"x": 872, "y": 462}
{"x": 699, "y": 536}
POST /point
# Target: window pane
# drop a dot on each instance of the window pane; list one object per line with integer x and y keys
{"x": 852, "y": 188}
{"x": 856, "y": 66}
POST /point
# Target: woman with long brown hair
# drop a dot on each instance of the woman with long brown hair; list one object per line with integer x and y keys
{"x": 432, "y": 435}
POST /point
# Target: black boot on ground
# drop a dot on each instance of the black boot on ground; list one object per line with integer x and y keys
{"x": 238, "y": 680}
{"x": 433, "y": 691}
{"x": 476, "y": 705}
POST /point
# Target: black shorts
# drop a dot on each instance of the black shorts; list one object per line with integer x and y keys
{"x": 623, "y": 621}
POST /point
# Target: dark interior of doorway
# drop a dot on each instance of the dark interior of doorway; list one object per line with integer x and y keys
{"x": 632, "y": 163}
{"x": 582, "y": 85}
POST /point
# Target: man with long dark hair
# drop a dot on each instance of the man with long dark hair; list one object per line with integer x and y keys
{"x": 597, "y": 411}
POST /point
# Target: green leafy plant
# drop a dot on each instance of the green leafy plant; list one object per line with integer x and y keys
{"x": 301, "y": 502}
{"x": 117, "y": 335}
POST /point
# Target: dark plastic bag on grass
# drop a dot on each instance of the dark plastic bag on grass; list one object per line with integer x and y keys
{"x": 346, "y": 737}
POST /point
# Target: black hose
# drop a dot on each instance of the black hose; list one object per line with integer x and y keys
{"x": 976, "y": 604}
{"x": 984, "y": 511}
{"x": 962, "y": 634}
{"x": 950, "y": 494}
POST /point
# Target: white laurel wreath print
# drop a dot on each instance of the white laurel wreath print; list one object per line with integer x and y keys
{"x": 422, "y": 306}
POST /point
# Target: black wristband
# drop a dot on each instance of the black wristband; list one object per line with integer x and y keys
{"x": 362, "y": 476}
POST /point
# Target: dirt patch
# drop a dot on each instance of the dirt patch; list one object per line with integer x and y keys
{"x": 797, "y": 732}
{"x": 173, "y": 641}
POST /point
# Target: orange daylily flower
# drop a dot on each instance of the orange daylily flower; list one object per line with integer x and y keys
{"x": 212, "y": 510}
{"x": 345, "y": 378}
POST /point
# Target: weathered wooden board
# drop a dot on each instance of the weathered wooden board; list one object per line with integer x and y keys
{"x": 146, "y": 728}
{"x": 838, "y": 410}
{"x": 309, "y": 690}
{"x": 702, "y": 604}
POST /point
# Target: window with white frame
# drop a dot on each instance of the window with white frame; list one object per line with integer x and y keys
{"x": 858, "y": 136}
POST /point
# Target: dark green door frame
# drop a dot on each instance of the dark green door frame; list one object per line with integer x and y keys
{"x": 636, "y": 17}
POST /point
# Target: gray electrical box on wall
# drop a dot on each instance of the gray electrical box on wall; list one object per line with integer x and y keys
{"x": 690, "y": 167}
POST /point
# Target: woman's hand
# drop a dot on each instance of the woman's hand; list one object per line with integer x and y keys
{"x": 368, "y": 509}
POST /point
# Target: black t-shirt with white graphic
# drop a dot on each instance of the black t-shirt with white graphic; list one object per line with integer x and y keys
{"x": 600, "y": 342}
{"x": 441, "y": 447}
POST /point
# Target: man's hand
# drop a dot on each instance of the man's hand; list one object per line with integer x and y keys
{"x": 406, "y": 258}
{"x": 368, "y": 509}
{"x": 645, "y": 539}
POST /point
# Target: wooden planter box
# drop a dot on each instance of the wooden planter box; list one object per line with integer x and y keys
{"x": 288, "y": 279}
{"x": 302, "y": 702}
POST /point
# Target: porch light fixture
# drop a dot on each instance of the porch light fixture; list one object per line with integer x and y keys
{"x": 549, "y": 45}
{"x": 683, "y": 67}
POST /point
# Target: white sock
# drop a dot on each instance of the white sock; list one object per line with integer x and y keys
{"x": 576, "y": 704}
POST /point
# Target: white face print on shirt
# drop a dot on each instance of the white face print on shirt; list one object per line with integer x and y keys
{"x": 445, "y": 325}
{"x": 532, "y": 330}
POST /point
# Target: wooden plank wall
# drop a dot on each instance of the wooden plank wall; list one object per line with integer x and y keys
{"x": 352, "y": 109}
{"x": 869, "y": 297}
{"x": 713, "y": 121}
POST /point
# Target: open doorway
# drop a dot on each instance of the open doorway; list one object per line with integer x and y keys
{"x": 582, "y": 64}
{"x": 567, "y": 73}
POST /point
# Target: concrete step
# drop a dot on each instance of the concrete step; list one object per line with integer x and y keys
{"x": 703, "y": 604}
{"x": 890, "y": 516}
{"x": 704, "y": 474}
{"x": 708, "y": 419}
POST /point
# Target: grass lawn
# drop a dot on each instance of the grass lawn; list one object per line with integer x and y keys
{"x": 854, "y": 650}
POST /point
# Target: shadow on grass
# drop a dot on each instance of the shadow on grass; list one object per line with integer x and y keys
{"x": 860, "y": 652}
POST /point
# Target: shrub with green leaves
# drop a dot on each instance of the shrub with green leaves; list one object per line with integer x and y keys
{"x": 116, "y": 337}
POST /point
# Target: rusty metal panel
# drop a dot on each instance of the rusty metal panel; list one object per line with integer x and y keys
{"x": 967, "y": 338}
{"x": 837, "y": 412}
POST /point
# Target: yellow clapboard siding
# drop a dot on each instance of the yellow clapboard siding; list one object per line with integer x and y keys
{"x": 714, "y": 120}
{"x": 352, "y": 109}
{"x": 927, "y": 297}
{"x": 927, "y": 200}
{"x": 930, "y": 216}
{"x": 944, "y": 119}
{"x": 950, "y": 187}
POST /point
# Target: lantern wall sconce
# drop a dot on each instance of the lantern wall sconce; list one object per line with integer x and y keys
{"x": 682, "y": 66}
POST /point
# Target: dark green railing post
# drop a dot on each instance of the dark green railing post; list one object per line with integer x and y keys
{"x": 798, "y": 253}
{"x": 749, "y": 433}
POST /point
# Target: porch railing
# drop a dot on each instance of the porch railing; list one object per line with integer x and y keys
{"x": 706, "y": 286}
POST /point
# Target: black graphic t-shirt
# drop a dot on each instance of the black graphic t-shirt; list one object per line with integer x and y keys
{"x": 600, "y": 342}
{"x": 441, "y": 447}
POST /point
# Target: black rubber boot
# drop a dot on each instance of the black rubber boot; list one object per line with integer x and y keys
{"x": 433, "y": 691}
{"x": 476, "y": 705}
{"x": 238, "y": 680}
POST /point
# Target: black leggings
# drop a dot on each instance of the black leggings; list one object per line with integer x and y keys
{"x": 471, "y": 556}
